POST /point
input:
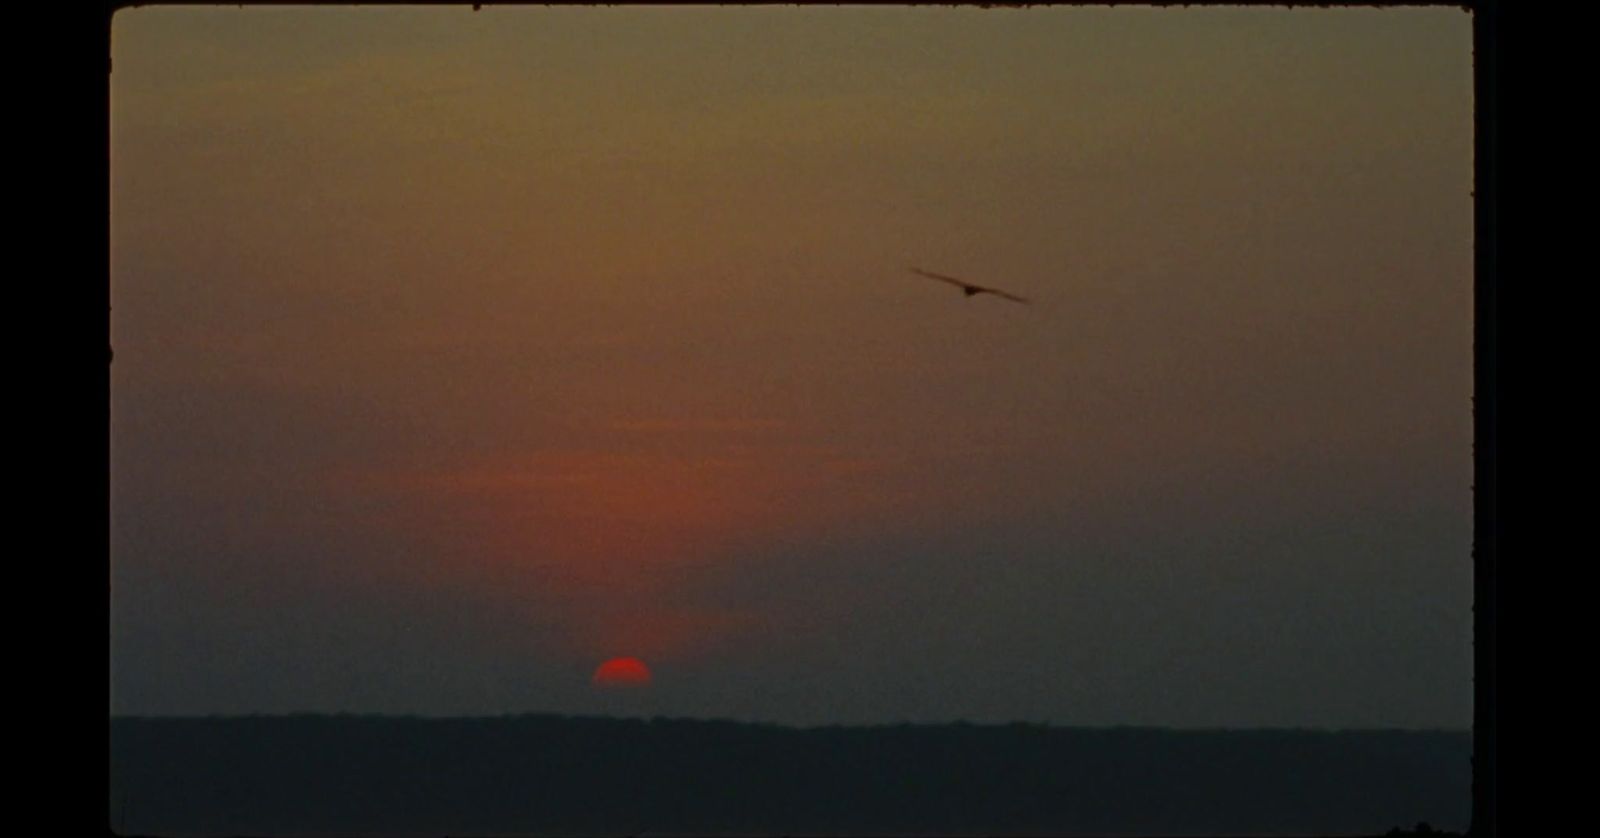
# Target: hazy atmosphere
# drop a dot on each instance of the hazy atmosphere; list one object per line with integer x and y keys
{"x": 460, "y": 352}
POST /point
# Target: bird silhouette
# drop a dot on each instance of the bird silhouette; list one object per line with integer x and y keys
{"x": 968, "y": 287}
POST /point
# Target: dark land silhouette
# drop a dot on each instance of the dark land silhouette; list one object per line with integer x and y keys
{"x": 542, "y": 774}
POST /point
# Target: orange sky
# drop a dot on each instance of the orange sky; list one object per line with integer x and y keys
{"x": 514, "y": 340}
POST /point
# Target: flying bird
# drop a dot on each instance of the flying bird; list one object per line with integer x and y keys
{"x": 968, "y": 287}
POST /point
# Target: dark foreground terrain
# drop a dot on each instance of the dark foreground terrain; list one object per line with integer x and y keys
{"x": 550, "y": 774}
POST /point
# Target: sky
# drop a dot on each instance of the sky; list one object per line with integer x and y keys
{"x": 458, "y": 352}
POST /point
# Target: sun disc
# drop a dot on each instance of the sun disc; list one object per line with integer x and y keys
{"x": 622, "y": 672}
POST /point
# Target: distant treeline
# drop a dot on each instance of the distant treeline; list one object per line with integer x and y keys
{"x": 553, "y": 774}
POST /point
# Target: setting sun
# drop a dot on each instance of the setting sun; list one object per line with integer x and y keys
{"x": 622, "y": 672}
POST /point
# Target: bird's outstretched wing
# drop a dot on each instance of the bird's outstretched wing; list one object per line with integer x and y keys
{"x": 967, "y": 286}
{"x": 1000, "y": 293}
{"x": 942, "y": 278}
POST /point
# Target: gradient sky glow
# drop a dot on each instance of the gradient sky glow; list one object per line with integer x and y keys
{"x": 458, "y": 352}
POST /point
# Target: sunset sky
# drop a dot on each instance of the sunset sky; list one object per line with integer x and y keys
{"x": 458, "y": 352}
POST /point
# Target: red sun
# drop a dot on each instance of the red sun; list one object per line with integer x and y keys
{"x": 622, "y": 672}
